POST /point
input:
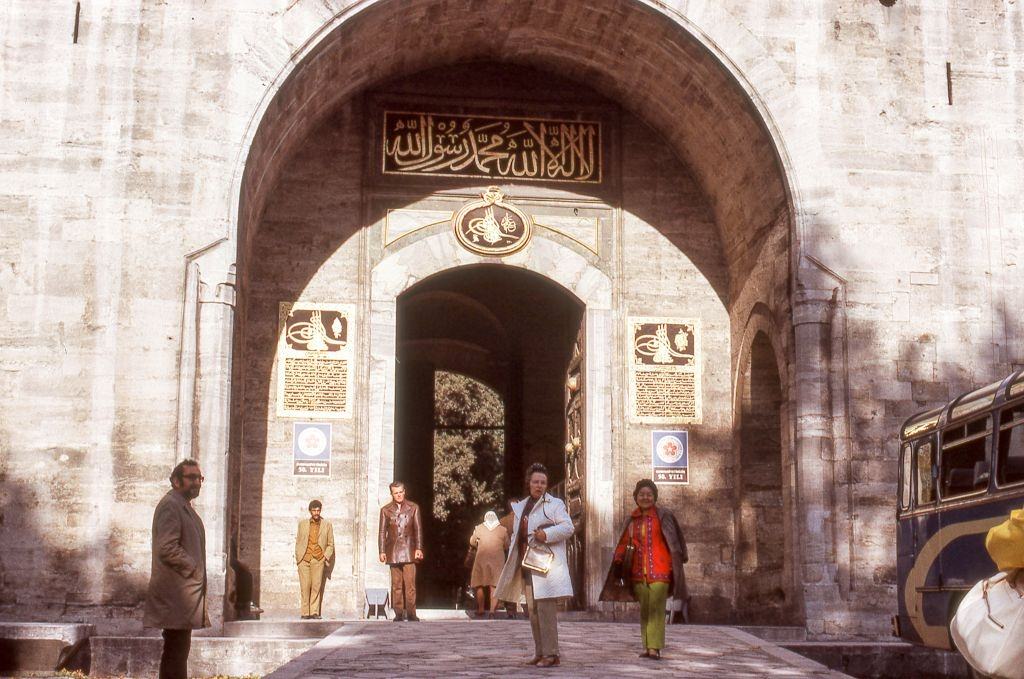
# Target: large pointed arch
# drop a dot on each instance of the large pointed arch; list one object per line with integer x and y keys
{"x": 687, "y": 75}
{"x": 690, "y": 75}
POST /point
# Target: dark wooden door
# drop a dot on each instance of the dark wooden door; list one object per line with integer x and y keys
{"x": 576, "y": 460}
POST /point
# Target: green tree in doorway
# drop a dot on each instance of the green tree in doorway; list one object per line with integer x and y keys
{"x": 469, "y": 460}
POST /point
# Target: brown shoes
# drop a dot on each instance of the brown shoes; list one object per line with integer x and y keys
{"x": 545, "y": 661}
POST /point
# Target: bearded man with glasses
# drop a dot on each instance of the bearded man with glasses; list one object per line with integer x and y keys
{"x": 176, "y": 600}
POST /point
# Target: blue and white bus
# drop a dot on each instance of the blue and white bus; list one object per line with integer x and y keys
{"x": 961, "y": 472}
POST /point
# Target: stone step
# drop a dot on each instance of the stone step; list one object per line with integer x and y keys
{"x": 777, "y": 633}
{"x": 210, "y": 656}
{"x": 442, "y": 614}
{"x": 281, "y": 629}
{"x": 40, "y": 646}
{"x": 429, "y": 614}
{"x": 869, "y": 659}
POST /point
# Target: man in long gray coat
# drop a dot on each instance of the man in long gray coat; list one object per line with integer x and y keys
{"x": 176, "y": 601}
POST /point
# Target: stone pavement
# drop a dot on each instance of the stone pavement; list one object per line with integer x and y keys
{"x": 499, "y": 647}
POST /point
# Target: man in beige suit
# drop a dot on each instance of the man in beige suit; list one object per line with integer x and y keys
{"x": 314, "y": 549}
{"x": 176, "y": 600}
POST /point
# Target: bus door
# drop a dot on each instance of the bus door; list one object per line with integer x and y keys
{"x": 924, "y": 596}
{"x": 905, "y": 533}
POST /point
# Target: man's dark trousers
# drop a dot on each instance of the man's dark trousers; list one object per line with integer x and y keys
{"x": 174, "y": 659}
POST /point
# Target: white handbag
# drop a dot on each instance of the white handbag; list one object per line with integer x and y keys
{"x": 988, "y": 628}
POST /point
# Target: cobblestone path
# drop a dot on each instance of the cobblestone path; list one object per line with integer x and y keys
{"x": 500, "y": 647}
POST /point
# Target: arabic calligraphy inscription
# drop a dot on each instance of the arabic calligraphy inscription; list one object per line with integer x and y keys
{"x": 456, "y": 145}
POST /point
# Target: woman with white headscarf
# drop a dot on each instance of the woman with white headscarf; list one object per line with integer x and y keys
{"x": 491, "y": 540}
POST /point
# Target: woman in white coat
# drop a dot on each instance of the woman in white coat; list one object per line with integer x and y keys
{"x": 539, "y": 518}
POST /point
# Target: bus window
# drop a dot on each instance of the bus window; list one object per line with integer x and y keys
{"x": 1011, "y": 446}
{"x": 925, "y": 459}
{"x": 906, "y": 461}
{"x": 964, "y": 454}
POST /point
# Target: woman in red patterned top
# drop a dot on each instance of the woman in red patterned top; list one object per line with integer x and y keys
{"x": 653, "y": 546}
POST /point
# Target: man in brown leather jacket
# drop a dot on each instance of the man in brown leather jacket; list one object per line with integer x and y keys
{"x": 400, "y": 542}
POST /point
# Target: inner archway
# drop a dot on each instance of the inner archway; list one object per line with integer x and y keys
{"x": 481, "y": 357}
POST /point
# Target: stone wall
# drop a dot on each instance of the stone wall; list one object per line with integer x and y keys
{"x": 673, "y": 266}
{"x": 310, "y": 249}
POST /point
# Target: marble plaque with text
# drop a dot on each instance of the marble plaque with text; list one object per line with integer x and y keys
{"x": 314, "y": 360}
{"x": 664, "y": 373}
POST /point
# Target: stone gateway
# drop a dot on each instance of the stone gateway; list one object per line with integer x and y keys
{"x": 434, "y": 242}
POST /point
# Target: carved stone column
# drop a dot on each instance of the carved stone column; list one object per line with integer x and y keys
{"x": 204, "y": 406}
{"x": 812, "y": 311}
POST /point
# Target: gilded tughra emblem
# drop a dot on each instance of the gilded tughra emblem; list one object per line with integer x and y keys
{"x": 492, "y": 226}
{"x": 652, "y": 346}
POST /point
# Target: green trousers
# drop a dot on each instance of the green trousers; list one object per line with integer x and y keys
{"x": 652, "y": 598}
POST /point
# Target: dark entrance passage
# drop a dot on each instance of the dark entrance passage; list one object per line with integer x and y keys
{"x": 482, "y": 358}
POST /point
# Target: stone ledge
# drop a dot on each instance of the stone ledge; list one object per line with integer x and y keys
{"x": 281, "y": 629}
{"x": 778, "y": 633}
{"x": 67, "y": 632}
{"x": 210, "y": 656}
{"x": 870, "y": 659}
{"x": 40, "y": 646}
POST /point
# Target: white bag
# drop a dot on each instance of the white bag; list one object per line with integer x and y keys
{"x": 988, "y": 628}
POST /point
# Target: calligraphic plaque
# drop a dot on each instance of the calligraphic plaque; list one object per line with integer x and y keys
{"x": 502, "y": 147}
{"x": 314, "y": 360}
{"x": 664, "y": 375}
{"x": 492, "y": 225}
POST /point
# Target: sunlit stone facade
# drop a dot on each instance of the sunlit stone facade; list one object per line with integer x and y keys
{"x": 828, "y": 189}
